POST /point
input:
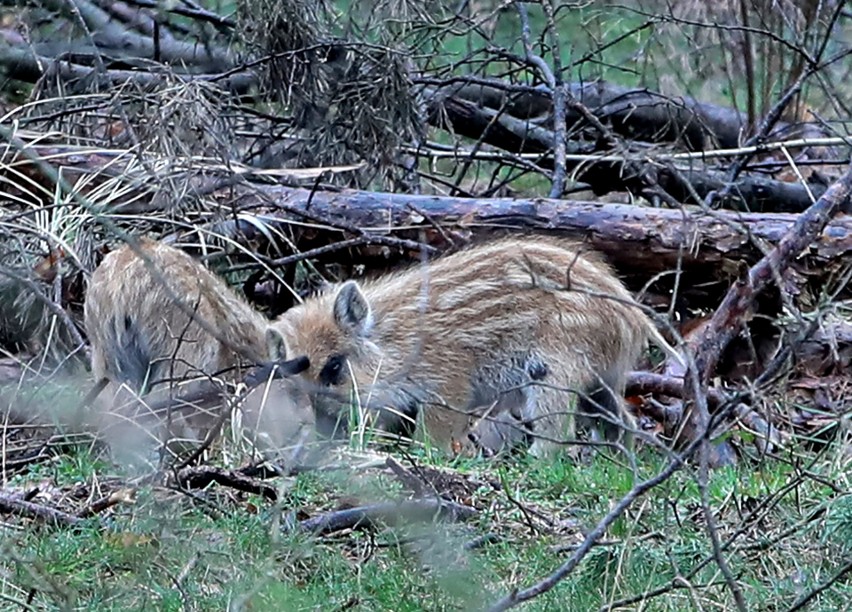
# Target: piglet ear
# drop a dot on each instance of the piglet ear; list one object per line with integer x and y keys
{"x": 276, "y": 347}
{"x": 352, "y": 312}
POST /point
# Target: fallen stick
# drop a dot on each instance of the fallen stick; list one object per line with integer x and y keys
{"x": 122, "y": 496}
{"x": 12, "y": 504}
{"x": 202, "y": 476}
{"x": 368, "y": 517}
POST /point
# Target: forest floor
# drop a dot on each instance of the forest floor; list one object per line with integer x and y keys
{"x": 130, "y": 541}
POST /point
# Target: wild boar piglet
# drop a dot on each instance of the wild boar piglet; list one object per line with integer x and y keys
{"x": 540, "y": 319}
{"x": 149, "y": 351}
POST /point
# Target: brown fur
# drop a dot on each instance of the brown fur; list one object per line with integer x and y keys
{"x": 486, "y": 321}
{"x": 141, "y": 339}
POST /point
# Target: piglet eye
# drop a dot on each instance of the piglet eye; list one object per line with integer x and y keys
{"x": 332, "y": 371}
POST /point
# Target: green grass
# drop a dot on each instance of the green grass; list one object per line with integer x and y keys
{"x": 170, "y": 552}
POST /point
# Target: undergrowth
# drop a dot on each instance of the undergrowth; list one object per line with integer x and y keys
{"x": 218, "y": 549}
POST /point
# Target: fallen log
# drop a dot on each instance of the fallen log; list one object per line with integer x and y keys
{"x": 635, "y": 113}
{"x": 636, "y": 174}
{"x": 752, "y": 192}
{"x": 24, "y": 65}
{"x": 636, "y": 238}
{"x": 639, "y": 241}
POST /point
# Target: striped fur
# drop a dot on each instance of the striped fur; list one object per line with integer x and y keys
{"x": 149, "y": 349}
{"x": 449, "y": 339}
